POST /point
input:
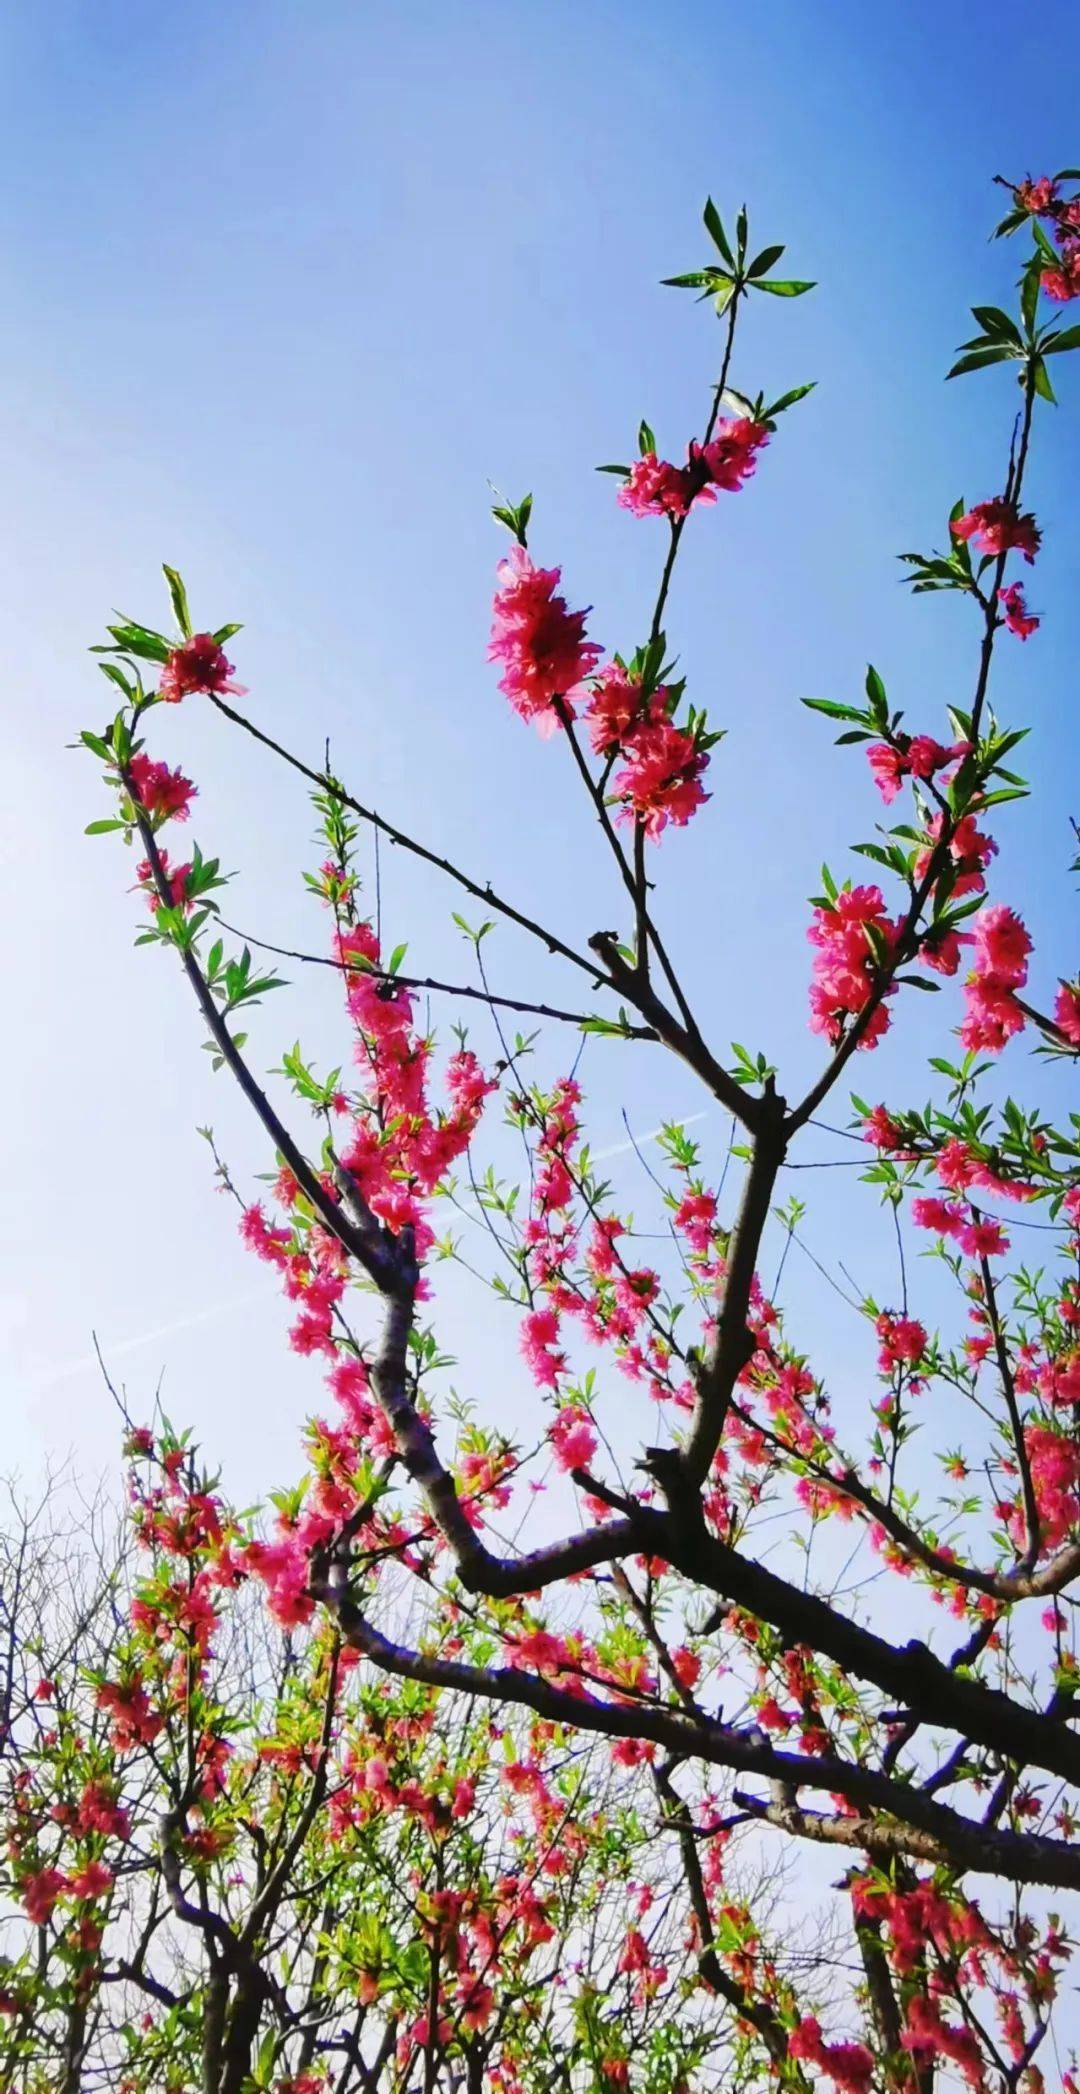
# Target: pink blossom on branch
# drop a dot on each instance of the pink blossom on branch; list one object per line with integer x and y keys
{"x": 1063, "y": 282}
{"x": 166, "y": 795}
{"x": 1067, "y": 1011}
{"x": 997, "y": 527}
{"x": 1037, "y": 197}
{"x": 845, "y": 966}
{"x": 655, "y": 487}
{"x": 1001, "y": 947}
{"x": 198, "y": 664}
{"x": 540, "y": 643}
{"x": 661, "y": 779}
{"x": 1017, "y": 617}
{"x": 573, "y": 1438}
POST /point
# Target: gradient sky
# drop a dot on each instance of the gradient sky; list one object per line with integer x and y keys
{"x": 285, "y": 287}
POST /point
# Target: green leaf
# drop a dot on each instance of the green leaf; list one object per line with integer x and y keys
{"x": 1042, "y": 382}
{"x": 714, "y": 228}
{"x": 623, "y": 471}
{"x": 766, "y": 260}
{"x": 792, "y": 289}
{"x": 875, "y": 691}
{"x": 1029, "y": 294}
{"x": 693, "y": 280}
{"x": 786, "y": 400}
{"x": 994, "y": 322}
{"x": 116, "y": 675}
{"x": 831, "y": 708}
{"x": 225, "y": 632}
{"x": 1049, "y": 251}
{"x": 102, "y": 828}
{"x": 646, "y": 440}
{"x": 515, "y": 516}
{"x": 178, "y": 594}
{"x": 1069, "y": 338}
{"x": 141, "y": 642}
{"x": 724, "y": 296}
{"x": 741, "y": 230}
{"x": 978, "y": 360}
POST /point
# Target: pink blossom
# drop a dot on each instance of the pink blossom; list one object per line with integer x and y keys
{"x": 969, "y": 850}
{"x": 983, "y": 1239}
{"x": 40, "y": 1893}
{"x": 731, "y": 455}
{"x": 903, "y": 1340}
{"x": 539, "y": 1342}
{"x": 1002, "y": 945}
{"x": 849, "y": 2065}
{"x": 889, "y": 769}
{"x": 1036, "y": 197}
{"x": 844, "y": 965}
{"x": 996, "y": 527}
{"x": 92, "y": 1881}
{"x": 695, "y": 1218}
{"x": 661, "y": 780}
{"x": 616, "y": 705}
{"x": 1017, "y": 616}
{"x": 1063, "y": 282}
{"x": 686, "y": 1666}
{"x": 540, "y": 642}
{"x": 282, "y": 1566}
{"x": 1067, "y": 1011}
{"x": 1060, "y": 1378}
{"x": 943, "y": 1216}
{"x": 573, "y": 1439}
{"x": 882, "y": 1130}
{"x": 163, "y": 793}
{"x": 197, "y": 664}
{"x": 655, "y": 487}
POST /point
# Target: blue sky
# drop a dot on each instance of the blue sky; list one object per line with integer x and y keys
{"x": 286, "y": 287}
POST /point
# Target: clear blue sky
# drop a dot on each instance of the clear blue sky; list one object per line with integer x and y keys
{"x": 285, "y": 286}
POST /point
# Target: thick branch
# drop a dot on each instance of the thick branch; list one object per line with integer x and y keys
{"x": 1018, "y": 1857}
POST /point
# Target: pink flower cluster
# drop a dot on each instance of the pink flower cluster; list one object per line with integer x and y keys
{"x": 902, "y": 1341}
{"x": 1063, "y": 282}
{"x": 1018, "y": 618}
{"x": 199, "y": 664}
{"x": 1067, "y": 1011}
{"x": 655, "y": 487}
{"x": 915, "y": 756}
{"x": 969, "y": 849}
{"x": 997, "y": 527}
{"x": 540, "y": 643}
{"x": 1054, "y": 1463}
{"x": 573, "y": 1438}
{"x": 850, "y": 2066}
{"x": 975, "y": 1236}
{"x": 660, "y": 780}
{"x": 1001, "y": 947}
{"x": 1060, "y": 282}
{"x": 175, "y": 877}
{"x": 845, "y": 967}
{"x": 928, "y": 2036}
{"x": 166, "y": 795}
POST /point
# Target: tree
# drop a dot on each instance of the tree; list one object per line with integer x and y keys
{"x": 921, "y": 1764}
{"x": 237, "y": 1859}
